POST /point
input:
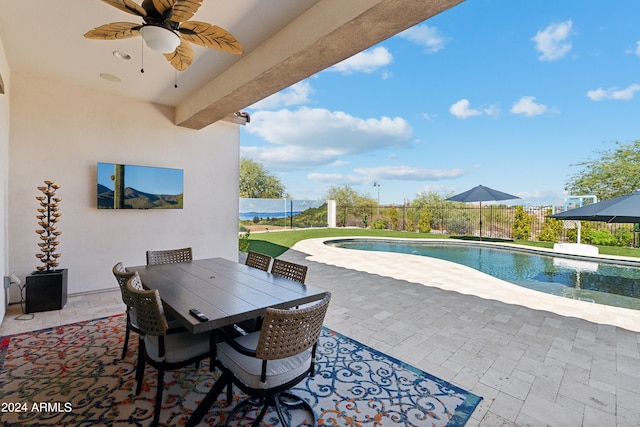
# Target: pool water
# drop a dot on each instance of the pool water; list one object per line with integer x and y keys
{"x": 593, "y": 280}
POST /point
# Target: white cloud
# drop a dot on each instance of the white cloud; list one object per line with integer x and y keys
{"x": 407, "y": 173}
{"x": 366, "y": 61}
{"x": 443, "y": 190}
{"x": 337, "y": 178}
{"x": 386, "y": 173}
{"x": 538, "y": 195}
{"x": 296, "y": 94}
{"x": 492, "y": 111}
{"x": 638, "y": 48}
{"x": 553, "y": 42}
{"x": 613, "y": 93}
{"x": 311, "y": 137}
{"x": 425, "y": 36}
{"x": 462, "y": 110}
{"x": 598, "y": 94}
{"x": 527, "y": 106}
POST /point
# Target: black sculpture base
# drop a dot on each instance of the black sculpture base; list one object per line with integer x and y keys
{"x": 46, "y": 291}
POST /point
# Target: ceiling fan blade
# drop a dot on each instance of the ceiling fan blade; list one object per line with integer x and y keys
{"x": 183, "y": 10}
{"x": 162, "y": 5}
{"x": 128, "y": 6}
{"x": 212, "y": 36}
{"x": 114, "y": 30}
{"x": 182, "y": 57}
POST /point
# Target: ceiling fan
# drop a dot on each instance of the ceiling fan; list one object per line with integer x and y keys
{"x": 167, "y": 29}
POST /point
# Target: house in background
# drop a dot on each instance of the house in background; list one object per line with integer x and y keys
{"x": 59, "y": 118}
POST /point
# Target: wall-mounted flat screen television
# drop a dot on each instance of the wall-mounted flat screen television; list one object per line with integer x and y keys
{"x": 139, "y": 187}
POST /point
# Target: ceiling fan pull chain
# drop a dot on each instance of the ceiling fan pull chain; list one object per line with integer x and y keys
{"x": 165, "y": 31}
{"x": 175, "y": 79}
{"x": 142, "y": 54}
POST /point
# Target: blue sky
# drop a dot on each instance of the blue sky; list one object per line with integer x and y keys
{"x": 152, "y": 180}
{"x": 507, "y": 94}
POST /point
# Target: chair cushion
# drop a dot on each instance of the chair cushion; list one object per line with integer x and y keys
{"x": 248, "y": 369}
{"x": 178, "y": 347}
{"x": 133, "y": 321}
{"x": 133, "y": 318}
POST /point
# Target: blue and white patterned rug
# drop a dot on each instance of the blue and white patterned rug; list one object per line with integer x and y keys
{"x": 73, "y": 375}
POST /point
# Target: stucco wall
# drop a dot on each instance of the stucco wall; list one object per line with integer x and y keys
{"x": 60, "y": 132}
{"x": 4, "y": 175}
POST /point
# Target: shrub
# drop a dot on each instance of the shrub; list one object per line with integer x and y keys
{"x": 458, "y": 226}
{"x": 379, "y": 224}
{"x": 424, "y": 221}
{"x": 602, "y": 237}
{"x": 243, "y": 242}
{"x": 392, "y": 214}
{"x": 365, "y": 220}
{"x": 410, "y": 222}
{"x": 586, "y": 228}
{"x": 624, "y": 238}
{"x": 551, "y": 229}
{"x": 521, "y": 229}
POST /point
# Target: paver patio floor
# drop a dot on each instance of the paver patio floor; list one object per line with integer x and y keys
{"x": 536, "y": 359}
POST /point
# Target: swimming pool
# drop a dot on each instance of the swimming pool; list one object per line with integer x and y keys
{"x": 589, "y": 279}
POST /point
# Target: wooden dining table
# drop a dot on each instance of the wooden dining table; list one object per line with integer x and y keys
{"x": 227, "y": 292}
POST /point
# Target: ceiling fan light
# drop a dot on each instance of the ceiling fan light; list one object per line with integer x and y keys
{"x": 160, "y": 39}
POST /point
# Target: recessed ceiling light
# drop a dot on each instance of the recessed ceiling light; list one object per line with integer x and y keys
{"x": 110, "y": 77}
{"x": 121, "y": 55}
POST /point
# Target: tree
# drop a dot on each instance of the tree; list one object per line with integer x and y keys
{"x": 348, "y": 199}
{"x": 615, "y": 173}
{"x": 257, "y": 182}
{"x": 348, "y": 196}
{"x": 438, "y": 209}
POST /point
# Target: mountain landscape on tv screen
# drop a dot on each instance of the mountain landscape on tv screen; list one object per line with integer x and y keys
{"x": 134, "y": 199}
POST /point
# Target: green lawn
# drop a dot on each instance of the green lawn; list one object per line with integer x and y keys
{"x": 275, "y": 243}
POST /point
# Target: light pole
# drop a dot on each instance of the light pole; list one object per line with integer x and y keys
{"x": 377, "y": 184}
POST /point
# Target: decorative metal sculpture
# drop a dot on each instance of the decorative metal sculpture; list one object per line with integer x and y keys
{"x": 48, "y": 216}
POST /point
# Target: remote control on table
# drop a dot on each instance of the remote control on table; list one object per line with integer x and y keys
{"x": 198, "y": 315}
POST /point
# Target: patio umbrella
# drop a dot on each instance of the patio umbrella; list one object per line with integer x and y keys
{"x": 481, "y": 194}
{"x": 622, "y": 209}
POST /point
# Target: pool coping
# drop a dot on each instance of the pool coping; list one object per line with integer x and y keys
{"x": 454, "y": 277}
{"x": 609, "y": 259}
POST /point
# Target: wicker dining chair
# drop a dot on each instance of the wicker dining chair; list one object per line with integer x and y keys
{"x": 163, "y": 348}
{"x": 258, "y": 260}
{"x": 122, "y": 276}
{"x": 289, "y": 270}
{"x": 261, "y": 262}
{"x": 280, "y": 268}
{"x": 266, "y": 364}
{"x": 169, "y": 256}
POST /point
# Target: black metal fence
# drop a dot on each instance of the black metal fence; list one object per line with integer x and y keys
{"x": 493, "y": 221}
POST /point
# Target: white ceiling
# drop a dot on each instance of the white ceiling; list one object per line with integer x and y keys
{"x": 284, "y": 42}
{"x": 46, "y": 37}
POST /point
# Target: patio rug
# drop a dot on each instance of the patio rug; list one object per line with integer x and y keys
{"x": 73, "y": 375}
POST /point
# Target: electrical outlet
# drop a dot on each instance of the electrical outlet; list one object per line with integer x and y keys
{"x": 10, "y": 280}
